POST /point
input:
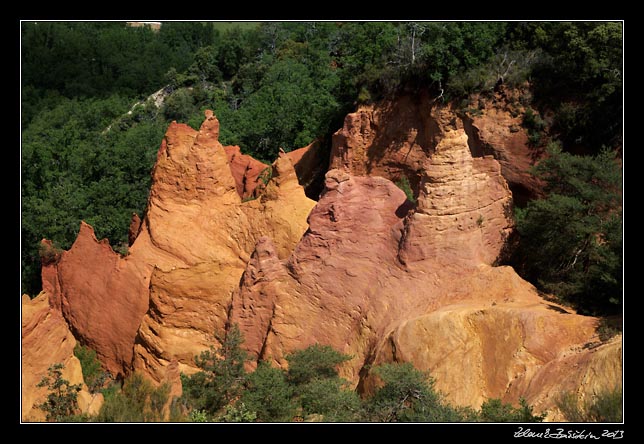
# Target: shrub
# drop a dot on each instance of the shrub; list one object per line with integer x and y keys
{"x": 49, "y": 253}
{"x": 238, "y": 412}
{"x": 268, "y": 394}
{"x": 61, "y": 404}
{"x": 408, "y": 395}
{"x": 571, "y": 240}
{"x": 316, "y": 361}
{"x": 403, "y": 184}
{"x": 137, "y": 401}
{"x": 179, "y": 106}
{"x": 331, "y": 398}
{"x": 494, "y": 410}
{"x": 604, "y": 407}
{"x": 221, "y": 378}
{"x": 198, "y": 416}
{"x": 93, "y": 373}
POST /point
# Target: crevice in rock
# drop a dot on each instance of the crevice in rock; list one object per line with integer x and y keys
{"x": 474, "y": 143}
{"x": 262, "y": 351}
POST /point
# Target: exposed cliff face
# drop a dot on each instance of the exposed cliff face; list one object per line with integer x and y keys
{"x": 189, "y": 303}
{"x": 46, "y": 340}
{"x": 383, "y": 285}
{"x": 165, "y": 299}
{"x": 464, "y": 206}
{"x": 101, "y": 296}
{"x": 498, "y": 131}
{"x": 391, "y": 139}
{"x": 362, "y": 270}
{"x": 246, "y": 171}
{"x": 395, "y": 138}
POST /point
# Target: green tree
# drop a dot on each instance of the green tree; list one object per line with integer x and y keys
{"x": 268, "y": 394}
{"x": 61, "y": 404}
{"x": 238, "y": 412}
{"x": 317, "y": 386}
{"x": 289, "y": 110}
{"x": 315, "y": 361}
{"x": 578, "y": 77}
{"x": 222, "y": 376}
{"x": 571, "y": 241}
{"x": 93, "y": 373}
{"x": 330, "y": 397}
{"x": 179, "y": 106}
{"x": 205, "y": 65}
{"x": 494, "y": 410}
{"x": 408, "y": 395}
{"x": 137, "y": 401}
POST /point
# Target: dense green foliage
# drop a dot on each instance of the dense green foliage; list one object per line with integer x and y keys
{"x": 93, "y": 373}
{"x": 408, "y": 395}
{"x": 579, "y": 78}
{"x": 494, "y": 410}
{"x": 311, "y": 389}
{"x": 137, "y": 401}
{"x": 572, "y": 239}
{"x": 283, "y": 85}
{"x": 222, "y": 376}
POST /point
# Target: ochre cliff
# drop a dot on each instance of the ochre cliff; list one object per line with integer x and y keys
{"x": 46, "y": 340}
{"x": 394, "y": 138}
{"x": 383, "y": 283}
{"x": 229, "y": 240}
{"x": 165, "y": 299}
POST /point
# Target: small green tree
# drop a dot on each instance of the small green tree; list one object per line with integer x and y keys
{"x": 494, "y": 410}
{"x": 315, "y": 361}
{"x": 61, "y": 404}
{"x": 408, "y": 395}
{"x": 93, "y": 373}
{"x": 179, "y": 105}
{"x": 238, "y": 412}
{"x": 403, "y": 184}
{"x": 222, "y": 375}
{"x": 198, "y": 416}
{"x": 268, "y": 394}
{"x": 330, "y": 397}
{"x": 137, "y": 401}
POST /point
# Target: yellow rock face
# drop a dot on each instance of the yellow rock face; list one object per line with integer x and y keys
{"x": 46, "y": 340}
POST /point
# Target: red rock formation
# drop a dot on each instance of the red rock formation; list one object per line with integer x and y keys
{"x": 171, "y": 292}
{"x": 101, "y": 295}
{"x": 364, "y": 271}
{"x": 498, "y": 130}
{"x": 245, "y": 169}
{"x": 391, "y": 139}
{"x": 463, "y": 212}
{"x": 310, "y": 166}
{"x": 135, "y": 228}
{"x": 395, "y": 138}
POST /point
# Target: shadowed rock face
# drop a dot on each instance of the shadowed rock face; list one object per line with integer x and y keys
{"x": 394, "y": 138}
{"x": 391, "y": 139}
{"x": 363, "y": 270}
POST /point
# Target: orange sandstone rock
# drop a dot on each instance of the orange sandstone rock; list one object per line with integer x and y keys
{"x": 46, "y": 340}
